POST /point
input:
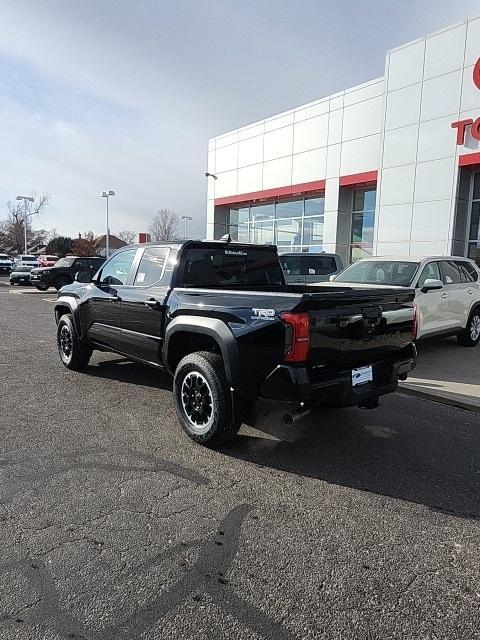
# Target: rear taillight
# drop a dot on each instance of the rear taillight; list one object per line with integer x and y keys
{"x": 415, "y": 322}
{"x": 297, "y": 336}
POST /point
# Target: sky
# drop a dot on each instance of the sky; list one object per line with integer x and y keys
{"x": 124, "y": 94}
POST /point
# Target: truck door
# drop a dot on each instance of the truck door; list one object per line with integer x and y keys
{"x": 100, "y": 316}
{"x": 143, "y": 306}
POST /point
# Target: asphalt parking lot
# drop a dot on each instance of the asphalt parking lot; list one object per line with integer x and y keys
{"x": 114, "y": 525}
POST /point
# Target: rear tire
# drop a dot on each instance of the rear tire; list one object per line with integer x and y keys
{"x": 40, "y": 287}
{"x": 202, "y": 399}
{"x": 470, "y": 337}
{"x": 74, "y": 354}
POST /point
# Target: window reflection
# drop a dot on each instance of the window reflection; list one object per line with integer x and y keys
{"x": 363, "y": 223}
{"x": 295, "y": 225}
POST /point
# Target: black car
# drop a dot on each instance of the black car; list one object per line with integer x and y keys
{"x": 220, "y": 318}
{"x": 64, "y": 271}
{"x": 21, "y": 274}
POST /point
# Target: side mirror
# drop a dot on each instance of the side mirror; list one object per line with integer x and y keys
{"x": 83, "y": 276}
{"x": 431, "y": 284}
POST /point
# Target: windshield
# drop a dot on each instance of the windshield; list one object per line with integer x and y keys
{"x": 65, "y": 262}
{"x": 3, "y": 256}
{"x": 399, "y": 274}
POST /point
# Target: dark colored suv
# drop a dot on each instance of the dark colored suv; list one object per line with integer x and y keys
{"x": 63, "y": 272}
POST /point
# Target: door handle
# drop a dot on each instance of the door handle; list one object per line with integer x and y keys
{"x": 115, "y": 298}
{"x": 444, "y": 295}
{"x": 152, "y": 303}
{"x": 470, "y": 291}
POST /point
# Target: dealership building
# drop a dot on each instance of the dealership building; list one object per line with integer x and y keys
{"x": 389, "y": 167}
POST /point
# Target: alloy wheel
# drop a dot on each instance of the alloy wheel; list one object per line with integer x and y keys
{"x": 66, "y": 341}
{"x": 197, "y": 402}
{"x": 475, "y": 328}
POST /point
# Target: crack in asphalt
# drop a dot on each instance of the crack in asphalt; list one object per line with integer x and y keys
{"x": 208, "y": 576}
{"x": 73, "y": 460}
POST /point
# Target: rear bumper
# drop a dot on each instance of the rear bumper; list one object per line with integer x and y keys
{"x": 295, "y": 384}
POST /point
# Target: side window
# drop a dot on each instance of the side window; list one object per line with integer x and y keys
{"x": 290, "y": 265}
{"x": 430, "y": 271}
{"x": 450, "y": 272}
{"x": 319, "y": 265}
{"x": 81, "y": 264}
{"x": 468, "y": 271}
{"x": 152, "y": 267}
{"x": 116, "y": 270}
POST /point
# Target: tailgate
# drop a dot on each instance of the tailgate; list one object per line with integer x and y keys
{"x": 351, "y": 328}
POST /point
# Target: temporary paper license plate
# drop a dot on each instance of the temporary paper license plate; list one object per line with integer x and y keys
{"x": 361, "y": 375}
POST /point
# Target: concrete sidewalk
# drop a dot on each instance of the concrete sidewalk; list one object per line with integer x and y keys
{"x": 446, "y": 373}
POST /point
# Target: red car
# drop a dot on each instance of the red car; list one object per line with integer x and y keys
{"x": 47, "y": 261}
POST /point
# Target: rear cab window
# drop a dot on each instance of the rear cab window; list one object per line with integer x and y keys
{"x": 230, "y": 266}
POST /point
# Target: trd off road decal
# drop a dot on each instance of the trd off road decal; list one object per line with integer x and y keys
{"x": 263, "y": 314}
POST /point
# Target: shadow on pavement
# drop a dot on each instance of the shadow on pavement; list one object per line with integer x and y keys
{"x": 407, "y": 449}
{"x": 404, "y": 452}
{"x": 445, "y": 360}
{"x": 124, "y": 370}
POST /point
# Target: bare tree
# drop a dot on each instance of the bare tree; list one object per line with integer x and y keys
{"x": 127, "y": 236}
{"x": 12, "y": 227}
{"x": 164, "y": 226}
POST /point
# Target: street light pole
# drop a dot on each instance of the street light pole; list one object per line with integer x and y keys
{"x": 25, "y": 216}
{"x": 185, "y": 218}
{"x": 106, "y": 194}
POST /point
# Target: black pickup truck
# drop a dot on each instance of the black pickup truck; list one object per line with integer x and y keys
{"x": 219, "y": 317}
{"x": 64, "y": 271}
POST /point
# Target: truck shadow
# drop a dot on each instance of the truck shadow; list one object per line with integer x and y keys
{"x": 403, "y": 450}
{"x": 124, "y": 370}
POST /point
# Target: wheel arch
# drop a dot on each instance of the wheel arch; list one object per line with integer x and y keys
{"x": 66, "y": 305}
{"x": 191, "y": 330}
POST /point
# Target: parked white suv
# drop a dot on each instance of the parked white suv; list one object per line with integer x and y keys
{"x": 5, "y": 263}
{"x": 447, "y": 291}
{"x": 26, "y": 260}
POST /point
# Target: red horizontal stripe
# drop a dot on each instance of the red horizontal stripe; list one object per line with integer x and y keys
{"x": 279, "y": 192}
{"x": 355, "y": 179}
{"x": 469, "y": 159}
{"x": 367, "y": 177}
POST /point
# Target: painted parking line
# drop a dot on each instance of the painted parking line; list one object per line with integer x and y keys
{"x": 49, "y": 299}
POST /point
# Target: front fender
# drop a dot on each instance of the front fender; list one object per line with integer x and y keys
{"x": 213, "y": 328}
{"x": 67, "y": 302}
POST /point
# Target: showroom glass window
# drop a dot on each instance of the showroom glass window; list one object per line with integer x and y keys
{"x": 238, "y": 226}
{"x": 363, "y": 221}
{"x": 474, "y": 235}
{"x": 288, "y": 226}
{"x": 295, "y": 225}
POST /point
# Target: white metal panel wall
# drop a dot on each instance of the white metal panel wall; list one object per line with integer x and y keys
{"x": 428, "y": 86}
{"x": 334, "y": 136}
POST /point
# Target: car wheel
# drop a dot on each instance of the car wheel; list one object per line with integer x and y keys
{"x": 202, "y": 399}
{"x": 73, "y": 353}
{"x": 41, "y": 287}
{"x": 470, "y": 337}
{"x": 60, "y": 282}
